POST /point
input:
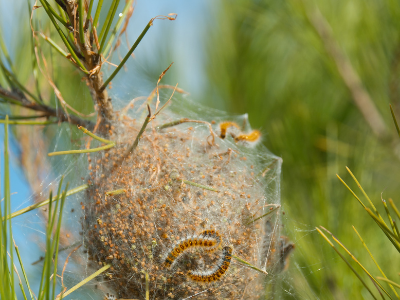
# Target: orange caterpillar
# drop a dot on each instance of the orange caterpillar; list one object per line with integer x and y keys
{"x": 224, "y": 126}
{"x": 216, "y": 273}
{"x": 210, "y": 240}
{"x": 213, "y": 235}
{"x": 252, "y": 137}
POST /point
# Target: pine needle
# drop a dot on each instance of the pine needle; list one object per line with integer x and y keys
{"x": 83, "y": 282}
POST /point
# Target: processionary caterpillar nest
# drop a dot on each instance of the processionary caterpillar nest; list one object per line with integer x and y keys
{"x": 181, "y": 180}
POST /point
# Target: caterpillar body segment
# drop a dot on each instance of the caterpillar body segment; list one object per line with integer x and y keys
{"x": 226, "y": 127}
{"x": 252, "y": 137}
{"x": 217, "y": 272}
{"x": 208, "y": 240}
{"x": 214, "y": 235}
{"x": 234, "y": 130}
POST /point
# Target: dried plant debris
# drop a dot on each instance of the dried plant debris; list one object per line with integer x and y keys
{"x": 184, "y": 210}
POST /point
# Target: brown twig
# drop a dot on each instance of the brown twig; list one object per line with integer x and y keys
{"x": 65, "y": 266}
{"x": 92, "y": 61}
{"x": 158, "y": 81}
{"x": 47, "y": 110}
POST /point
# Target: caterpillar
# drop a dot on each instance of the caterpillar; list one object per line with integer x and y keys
{"x": 216, "y": 273}
{"x": 253, "y": 136}
{"x": 224, "y": 126}
{"x": 237, "y": 135}
{"x": 209, "y": 240}
{"x": 213, "y": 235}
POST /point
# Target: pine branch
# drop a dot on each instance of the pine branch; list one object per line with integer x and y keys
{"x": 59, "y": 114}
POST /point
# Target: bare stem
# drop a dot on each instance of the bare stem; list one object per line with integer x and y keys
{"x": 136, "y": 142}
{"x": 59, "y": 114}
{"x": 249, "y": 265}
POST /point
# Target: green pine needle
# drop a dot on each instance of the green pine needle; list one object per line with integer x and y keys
{"x": 59, "y": 50}
{"x": 109, "y": 145}
{"x": 264, "y": 215}
{"x": 83, "y": 282}
{"x": 374, "y": 260}
{"x": 121, "y": 18}
{"x": 44, "y": 202}
{"x": 15, "y": 122}
{"x": 389, "y": 281}
{"x": 394, "y": 208}
{"x": 138, "y": 40}
{"x": 107, "y": 24}
{"x": 67, "y": 43}
{"x": 81, "y": 18}
{"x": 346, "y": 261}
{"x": 97, "y": 14}
{"x": 362, "y": 267}
{"x": 23, "y": 270}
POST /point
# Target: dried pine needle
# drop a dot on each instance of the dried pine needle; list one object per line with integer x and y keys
{"x": 83, "y": 282}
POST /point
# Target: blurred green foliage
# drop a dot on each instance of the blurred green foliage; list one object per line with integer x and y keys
{"x": 266, "y": 59}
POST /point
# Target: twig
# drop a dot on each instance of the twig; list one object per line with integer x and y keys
{"x": 146, "y": 275}
{"x": 93, "y": 62}
{"x": 65, "y": 266}
{"x": 264, "y": 215}
{"x": 165, "y": 104}
{"x": 105, "y": 147}
{"x": 116, "y": 192}
{"x": 268, "y": 168}
{"x": 175, "y": 176}
{"x": 249, "y": 265}
{"x": 136, "y": 142}
{"x": 158, "y": 81}
{"x": 186, "y": 120}
{"x": 83, "y": 282}
{"x": 49, "y": 111}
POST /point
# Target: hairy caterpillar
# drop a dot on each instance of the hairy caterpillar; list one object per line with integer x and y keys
{"x": 208, "y": 239}
{"x": 213, "y": 235}
{"x": 224, "y": 126}
{"x": 216, "y": 273}
{"x": 253, "y": 136}
{"x": 237, "y": 135}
